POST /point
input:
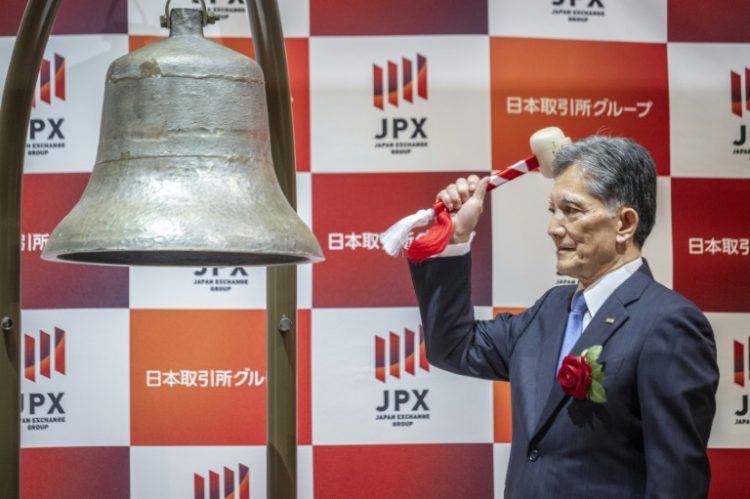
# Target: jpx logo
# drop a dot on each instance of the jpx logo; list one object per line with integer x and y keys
{"x": 46, "y": 129}
{"x": 41, "y": 403}
{"x": 740, "y": 370}
{"x": 49, "y": 354}
{"x": 740, "y": 103}
{"x": 401, "y": 406}
{"x": 239, "y": 481}
{"x": 394, "y": 354}
{"x": 740, "y": 375}
{"x": 42, "y": 355}
{"x": 403, "y": 399}
{"x": 394, "y": 85}
{"x": 394, "y": 128}
{"x": 411, "y": 76}
{"x": 49, "y": 128}
{"x": 46, "y": 133}
{"x": 220, "y": 280}
{"x": 737, "y": 86}
{"x": 49, "y": 79}
{"x": 578, "y": 11}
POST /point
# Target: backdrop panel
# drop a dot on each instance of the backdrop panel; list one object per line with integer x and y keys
{"x": 150, "y": 382}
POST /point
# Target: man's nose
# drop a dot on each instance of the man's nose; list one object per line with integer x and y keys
{"x": 555, "y": 228}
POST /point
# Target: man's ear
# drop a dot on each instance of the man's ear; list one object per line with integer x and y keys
{"x": 627, "y": 224}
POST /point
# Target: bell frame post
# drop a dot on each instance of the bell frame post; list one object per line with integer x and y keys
{"x": 15, "y": 111}
{"x": 281, "y": 281}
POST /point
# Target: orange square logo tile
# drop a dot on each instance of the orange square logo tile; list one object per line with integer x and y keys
{"x": 584, "y": 88}
{"x": 198, "y": 377}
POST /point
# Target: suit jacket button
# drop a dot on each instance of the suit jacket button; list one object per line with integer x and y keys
{"x": 533, "y": 455}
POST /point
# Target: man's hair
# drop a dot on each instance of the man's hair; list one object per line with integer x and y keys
{"x": 618, "y": 171}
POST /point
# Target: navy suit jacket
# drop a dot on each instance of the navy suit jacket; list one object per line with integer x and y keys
{"x": 648, "y": 440}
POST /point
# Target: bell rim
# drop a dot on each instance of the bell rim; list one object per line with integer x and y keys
{"x": 181, "y": 258}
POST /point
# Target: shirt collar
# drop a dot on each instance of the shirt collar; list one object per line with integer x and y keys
{"x": 597, "y": 293}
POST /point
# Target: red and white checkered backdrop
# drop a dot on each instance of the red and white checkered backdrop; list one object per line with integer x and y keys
{"x": 150, "y": 382}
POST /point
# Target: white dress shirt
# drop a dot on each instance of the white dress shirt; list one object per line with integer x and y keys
{"x": 595, "y": 295}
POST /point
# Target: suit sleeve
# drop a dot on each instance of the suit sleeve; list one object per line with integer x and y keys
{"x": 455, "y": 341}
{"x": 677, "y": 380}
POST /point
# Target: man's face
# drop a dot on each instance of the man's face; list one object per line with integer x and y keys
{"x": 583, "y": 229}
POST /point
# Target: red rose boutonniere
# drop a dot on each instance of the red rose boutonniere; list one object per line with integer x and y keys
{"x": 583, "y": 377}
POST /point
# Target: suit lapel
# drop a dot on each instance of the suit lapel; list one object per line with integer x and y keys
{"x": 554, "y": 328}
{"x": 608, "y": 319}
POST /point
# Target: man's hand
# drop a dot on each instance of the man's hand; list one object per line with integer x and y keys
{"x": 465, "y": 200}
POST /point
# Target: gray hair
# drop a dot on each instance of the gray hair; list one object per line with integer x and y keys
{"x": 618, "y": 171}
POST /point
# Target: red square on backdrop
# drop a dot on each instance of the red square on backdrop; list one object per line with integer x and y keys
{"x": 75, "y": 472}
{"x": 394, "y": 17}
{"x": 304, "y": 378}
{"x": 583, "y": 87}
{"x": 349, "y": 213}
{"x": 729, "y": 477}
{"x": 198, "y": 377}
{"x": 702, "y": 21}
{"x": 47, "y": 198}
{"x": 74, "y": 17}
{"x": 437, "y": 471}
{"x": 298, "y": 62}
{"x": 711, "y": 242}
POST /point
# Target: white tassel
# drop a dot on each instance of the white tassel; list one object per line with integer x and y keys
{"x": 394, "y": 238}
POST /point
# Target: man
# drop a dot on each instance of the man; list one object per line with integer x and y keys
{"x": 658, "y": 355}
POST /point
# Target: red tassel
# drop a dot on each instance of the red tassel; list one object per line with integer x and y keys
{"x": 436, "y": 239}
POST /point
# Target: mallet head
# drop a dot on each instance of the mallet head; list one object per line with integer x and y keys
{"x": 545, "y": 144}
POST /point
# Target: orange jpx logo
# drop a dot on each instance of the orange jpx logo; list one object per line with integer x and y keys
{"x": 408, "y": 79}
{"x": 243, "y": 477}
{"x": 49, "y": 354}
{"x": 46, "y": 81}
{"x": 410, "y": 353}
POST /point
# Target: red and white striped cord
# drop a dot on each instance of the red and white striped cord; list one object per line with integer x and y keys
{"x": 436, "y": 238}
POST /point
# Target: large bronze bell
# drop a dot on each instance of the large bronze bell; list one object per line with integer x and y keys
{"x": 184, "y": 174}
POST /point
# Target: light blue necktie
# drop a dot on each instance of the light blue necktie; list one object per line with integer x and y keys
{"x": 574, "y": 327}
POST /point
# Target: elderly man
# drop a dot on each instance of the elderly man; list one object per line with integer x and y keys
{"x": 629, "y": 412}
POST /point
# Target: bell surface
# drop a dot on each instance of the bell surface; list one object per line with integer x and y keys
{"x": 184, "y": 174}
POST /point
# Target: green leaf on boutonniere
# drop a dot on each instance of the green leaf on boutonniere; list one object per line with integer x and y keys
{"x": 592, "y": 354}
{"x": 596, "y": 392}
